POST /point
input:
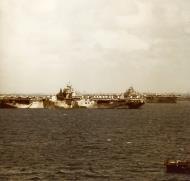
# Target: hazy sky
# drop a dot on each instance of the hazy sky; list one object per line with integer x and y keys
{"x": 97, "y": 45}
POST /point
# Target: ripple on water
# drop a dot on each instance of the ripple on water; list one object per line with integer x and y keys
{"x": 96, "y": 145}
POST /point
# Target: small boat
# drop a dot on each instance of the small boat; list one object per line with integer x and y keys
{"x": 178, "y": 166}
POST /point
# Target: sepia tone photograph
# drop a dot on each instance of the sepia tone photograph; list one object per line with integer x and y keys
{"x": 94, "y": 90}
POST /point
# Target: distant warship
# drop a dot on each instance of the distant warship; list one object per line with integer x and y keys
{"x": 67, "y": 98}
{"x": 153, "y": 98}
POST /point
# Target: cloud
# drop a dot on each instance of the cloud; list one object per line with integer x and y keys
{"x": 136, "y": 42}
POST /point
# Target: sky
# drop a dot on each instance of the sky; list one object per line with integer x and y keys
{"x": 96, "y": 45}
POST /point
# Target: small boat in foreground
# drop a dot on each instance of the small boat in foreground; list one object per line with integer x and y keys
{"x": 177, "y": 166}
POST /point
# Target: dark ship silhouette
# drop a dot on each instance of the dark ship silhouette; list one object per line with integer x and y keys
{"x": 153, "y": 98}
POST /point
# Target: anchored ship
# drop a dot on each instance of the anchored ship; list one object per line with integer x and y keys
{"x": 154, "y": 98}
{"x": 67, "y": 98}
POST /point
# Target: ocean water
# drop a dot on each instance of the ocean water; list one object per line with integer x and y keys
{"x": 93, "y": 145}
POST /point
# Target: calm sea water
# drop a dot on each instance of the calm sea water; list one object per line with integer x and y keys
{"x": 81, "y": 144}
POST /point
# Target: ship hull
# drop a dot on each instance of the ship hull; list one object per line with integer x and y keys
{"x": 36, "y": 104}
{"x": 135, "y": 104}
{"x": 6, "y": 105}
{"x": 117, "y": 104}
{"x": 161, "y": 99}
{"x": 62, "y": 104}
